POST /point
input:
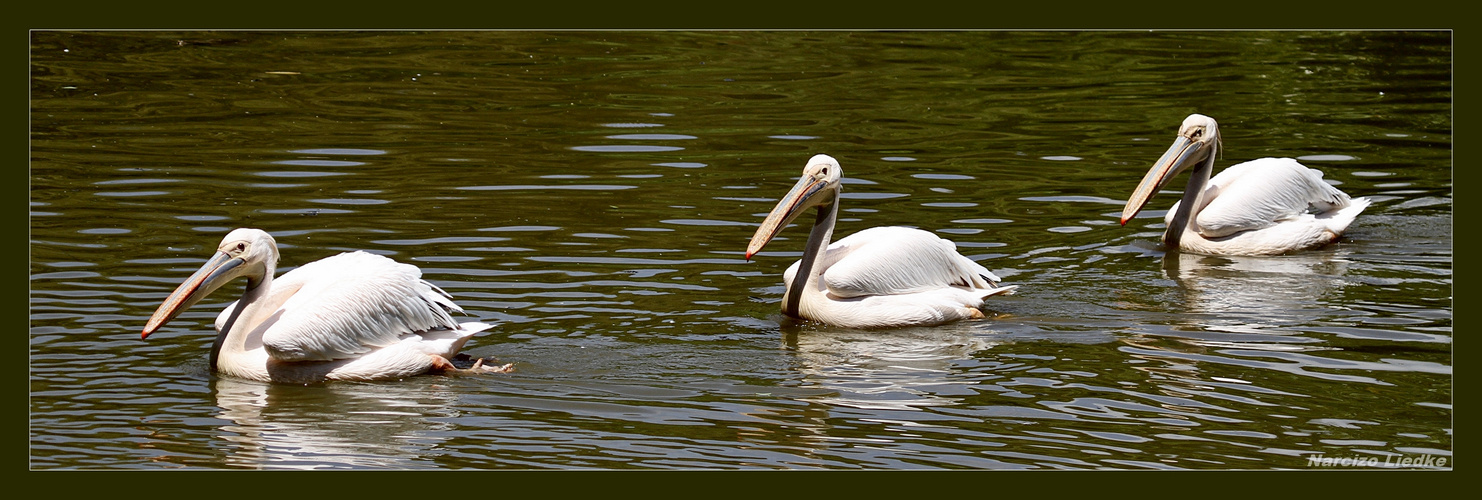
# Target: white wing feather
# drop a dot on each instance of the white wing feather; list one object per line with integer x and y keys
{"x": 350, "y": 304}
{"x": 898, "y": 260}
{"x": 1262, "y": 193}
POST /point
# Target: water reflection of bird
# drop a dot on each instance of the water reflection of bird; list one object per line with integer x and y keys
{"x": 878, "y": 277}
{"x": 352, "y": 316}
{"x": 1261, "y": 207}
{"x": 910, "y": 369}
{"x": 1246, "y": 294}
{"x": 346, "y": 426}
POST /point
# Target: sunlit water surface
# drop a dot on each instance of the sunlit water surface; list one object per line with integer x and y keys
{"x": 592, "y": 194}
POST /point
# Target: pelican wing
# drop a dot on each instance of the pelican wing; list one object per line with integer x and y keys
{"x": 898, "y": 260}
{"x": 348, "y": 305}
{"x": 1262, "y": 193}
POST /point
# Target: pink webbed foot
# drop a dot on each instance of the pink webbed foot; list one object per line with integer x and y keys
{"x": 479, "y": 366}
{"x": 445, "y": 366}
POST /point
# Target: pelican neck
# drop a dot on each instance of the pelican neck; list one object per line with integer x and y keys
{"x": 818, "y": 240}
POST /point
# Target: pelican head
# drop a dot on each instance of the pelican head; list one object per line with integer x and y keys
{"x": 1198, "y": 142}
{"x": 818, "y": 187}
{"x": 244, "y": 252}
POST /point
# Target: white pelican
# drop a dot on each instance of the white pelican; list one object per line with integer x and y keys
{"x": 1261, "y": 207}
{"x": 352, "y": 316}
{"x": 879, "y": 277}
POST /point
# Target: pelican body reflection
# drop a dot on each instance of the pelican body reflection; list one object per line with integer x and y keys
{"x": 344, "y": 425}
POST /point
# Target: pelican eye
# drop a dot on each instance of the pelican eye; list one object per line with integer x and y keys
{"x": 241, "y": 246}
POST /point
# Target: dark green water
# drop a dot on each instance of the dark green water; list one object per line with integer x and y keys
{"x": 593, "y": 194}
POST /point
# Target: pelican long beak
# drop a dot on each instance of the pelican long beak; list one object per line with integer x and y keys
{"x": 809, "y": 192}
{"x": 1180, "y": 155}
{"x": 220, "y": 270}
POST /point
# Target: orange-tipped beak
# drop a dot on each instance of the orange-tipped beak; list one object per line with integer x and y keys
{"x": 1175, "y": 160}
{"x": 808, "y": 192}
{"x": 221, "y": 269}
